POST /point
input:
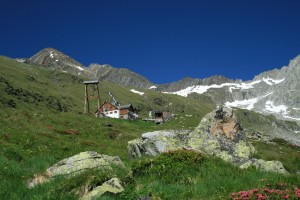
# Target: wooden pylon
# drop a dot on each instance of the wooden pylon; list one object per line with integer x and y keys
{"x": 86, "y": 95}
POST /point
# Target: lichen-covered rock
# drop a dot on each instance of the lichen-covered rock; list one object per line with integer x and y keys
{"x": 77, "y": 164}
{"x": 219, "y": 133}
{"x": 271, "y": 166}
{"x": 153, "y": 143}
{"x": 113, "y": 186}
{"x": 81, "y": 162}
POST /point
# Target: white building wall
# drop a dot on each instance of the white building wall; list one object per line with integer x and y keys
{"x": 113, "y": 114}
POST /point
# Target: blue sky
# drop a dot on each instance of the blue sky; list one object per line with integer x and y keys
{"x": 161, "y": 40}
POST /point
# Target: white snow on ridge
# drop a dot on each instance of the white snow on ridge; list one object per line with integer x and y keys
{"x": 152, "y": 87}
{"x": 137, "y": 92}
{"x": 247, "y": 103}
{"x": 200, "y": 89}
{"x": 270, "y": 81}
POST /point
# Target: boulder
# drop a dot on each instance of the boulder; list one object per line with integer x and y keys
{"x": 154, "y": 143}
{"x": 113, "y": 186}
{"x": 77, "y": 164}
{"x": 83, "y": 161}
{"x": 219, "y": 134}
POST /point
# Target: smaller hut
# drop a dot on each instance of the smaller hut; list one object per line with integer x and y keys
{"x": 162, "y": 116}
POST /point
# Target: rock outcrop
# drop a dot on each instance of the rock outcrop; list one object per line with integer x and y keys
{"x": 77, "y": 164}
{"x": 219, "y": 134}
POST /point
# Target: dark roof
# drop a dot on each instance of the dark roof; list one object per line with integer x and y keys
{"x": 91, "y": 82}
{"x": 124, "y": 106}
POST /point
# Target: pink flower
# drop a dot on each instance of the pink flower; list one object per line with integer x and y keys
{"x": 297, "y": 192}
{"x": 286, "y": 197}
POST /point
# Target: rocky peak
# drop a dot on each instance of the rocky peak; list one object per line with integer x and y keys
{"x": 54, "y": 59}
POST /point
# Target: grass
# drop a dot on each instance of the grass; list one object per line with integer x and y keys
{"x": 283, "y": 151}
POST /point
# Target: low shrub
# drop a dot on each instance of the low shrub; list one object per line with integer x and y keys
{"x": 170, "y": 166}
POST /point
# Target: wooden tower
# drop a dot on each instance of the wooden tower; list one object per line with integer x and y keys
{"x": 86, "y": 95}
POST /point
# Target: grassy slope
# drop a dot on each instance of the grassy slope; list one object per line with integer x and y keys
{"x": 33, "y": 136}
{"x": 33, "y": 126}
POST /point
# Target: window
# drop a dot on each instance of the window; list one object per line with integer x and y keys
{"x": 110, "y": 112}
{"x": 116, "y": 111}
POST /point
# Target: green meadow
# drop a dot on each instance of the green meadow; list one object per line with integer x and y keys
{"x": 42, "y": 122}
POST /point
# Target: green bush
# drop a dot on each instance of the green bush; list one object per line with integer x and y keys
{"x": 171, "y": 166}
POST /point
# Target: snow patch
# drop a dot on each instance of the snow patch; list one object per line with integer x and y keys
{"x": 21, "y": 60}
{"x": 51, "y": 54}
{"x": 247, "y": 103}
{"x": 153, "y": 87}
{"x": 137, "y": 92}
{"x": 78, "y": 67}
{"x": 270, "y": 81}
{"x": 281, "y": 109}
{"x": 292, "y": 118}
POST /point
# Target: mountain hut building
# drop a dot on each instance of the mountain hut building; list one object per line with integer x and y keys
{"x": 108, "y": 109}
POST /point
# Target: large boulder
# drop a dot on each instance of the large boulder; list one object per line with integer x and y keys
{"x": 219, "y": 134}
{"x": 81, "y": 162}
{"x": 77, "y": 164}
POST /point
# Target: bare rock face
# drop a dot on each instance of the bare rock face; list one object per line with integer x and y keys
{"x": 219, "y": 134}
{"x": 225, "y": 124}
